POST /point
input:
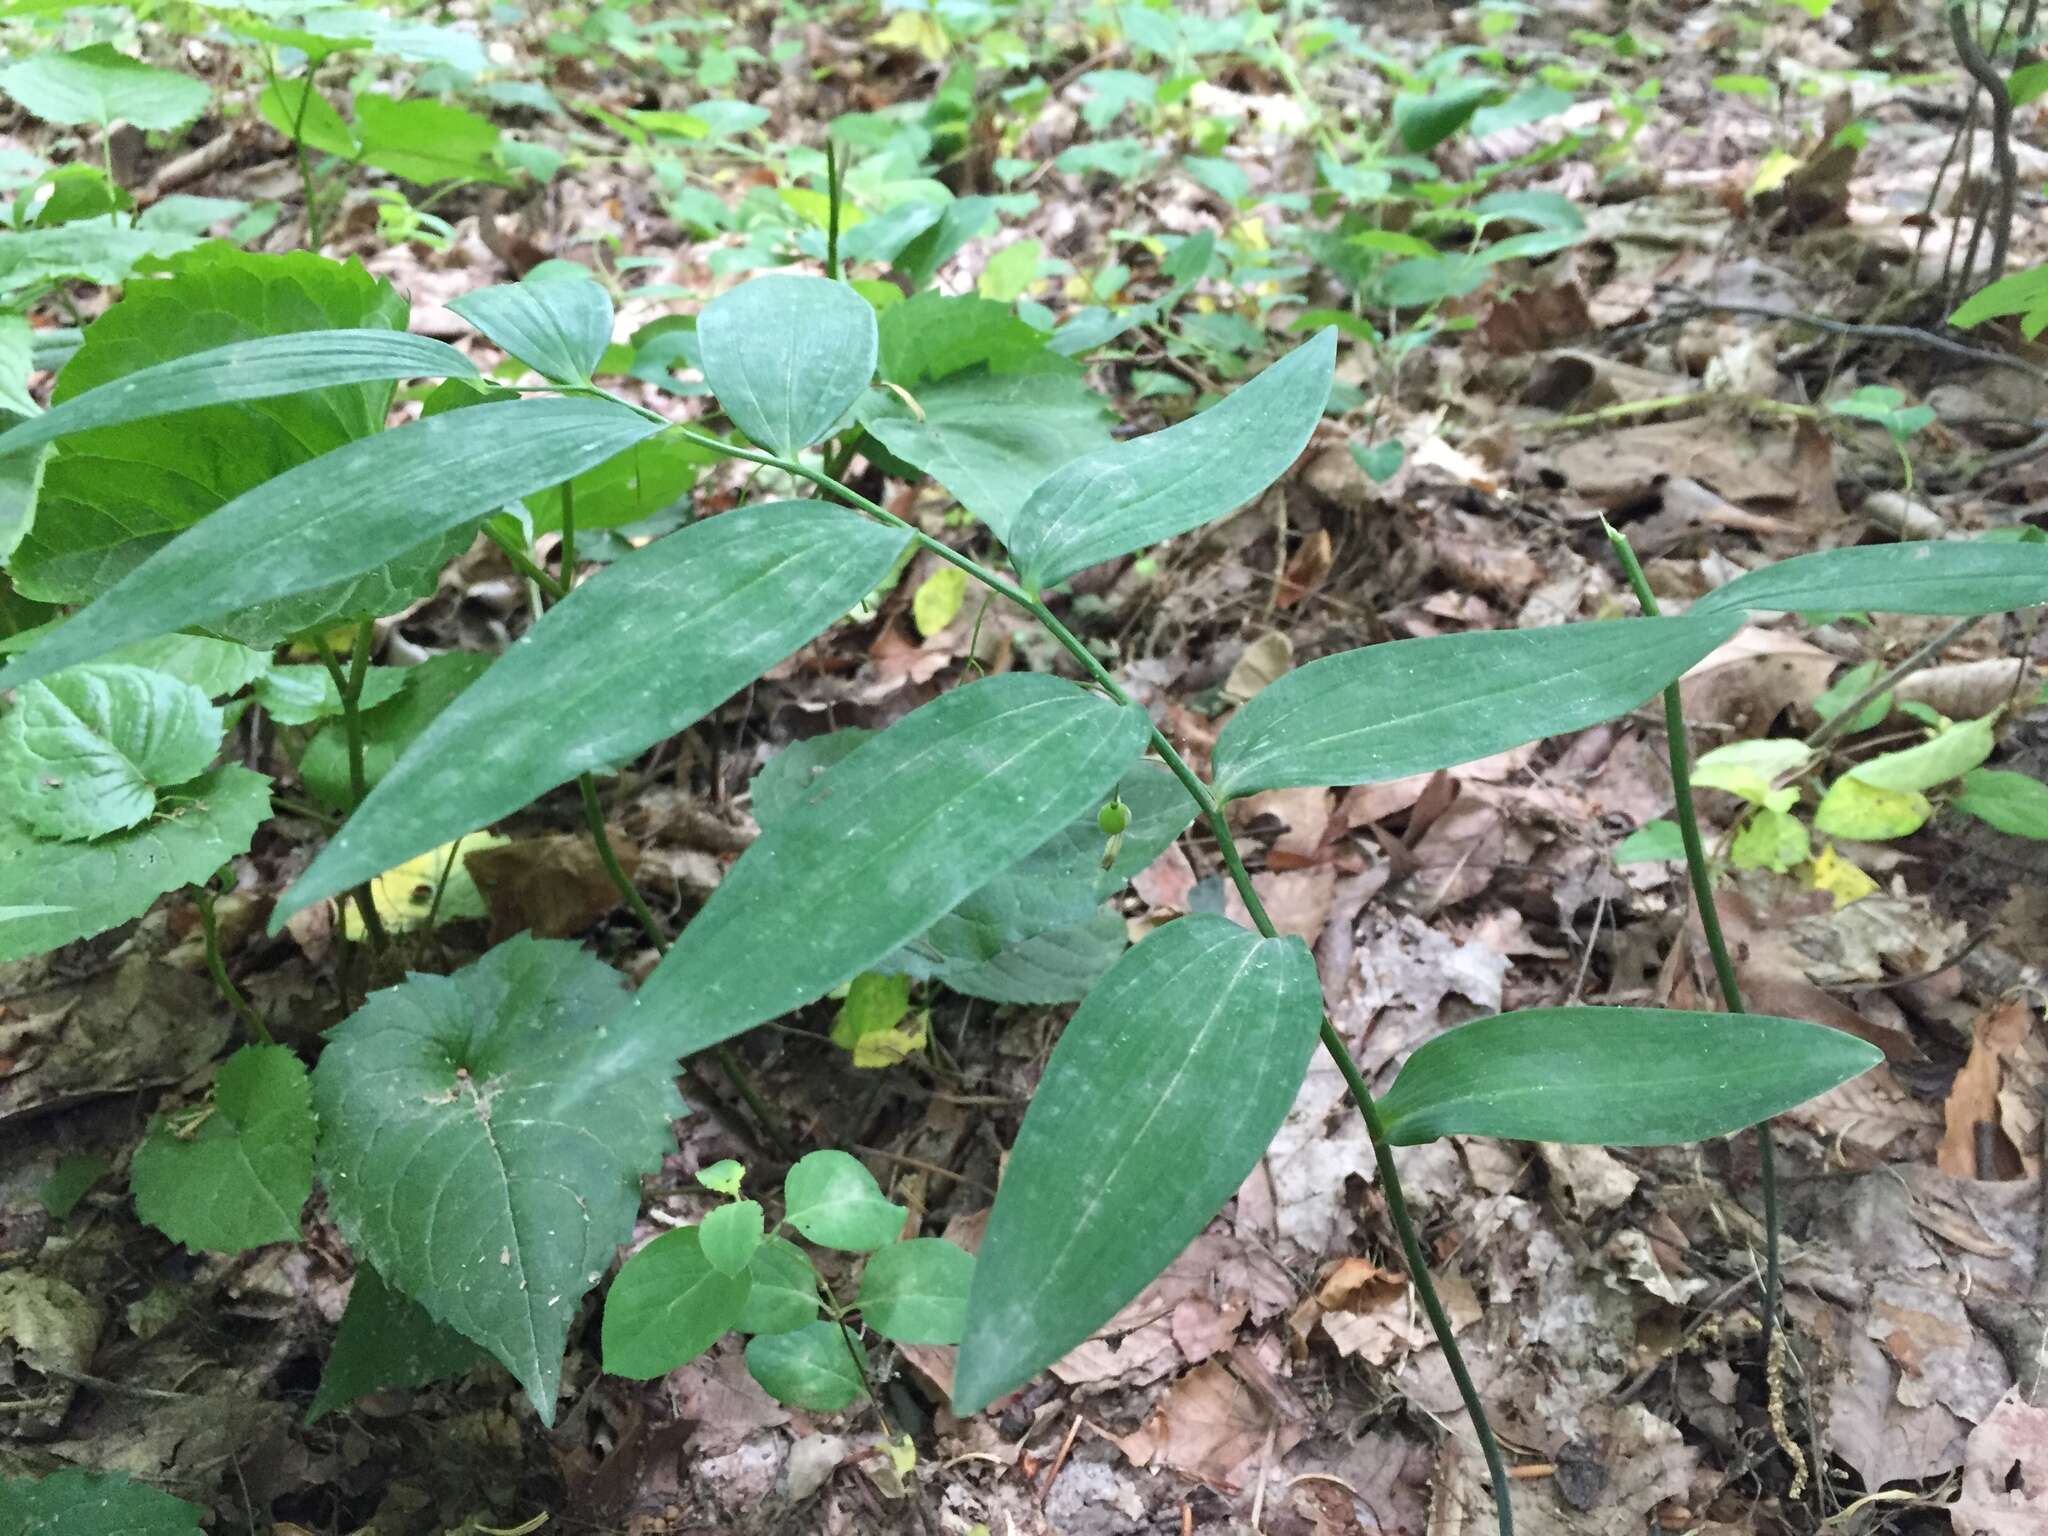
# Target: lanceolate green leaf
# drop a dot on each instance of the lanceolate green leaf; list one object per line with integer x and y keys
{"x": 634, "y": 655}
{"x": 259, "y": 369}
{"x": 1150, "y": 488}
{"x": 1616, "y": 1077}
{"x": 1411, "y": 706}
{"x": 931, "y": 809}
{"x": 86, "y": 752}
{"x": 787, "y": 356}
{"x": 238, "y": 1177}
{"x": 1163, "y": 1091}
{"x": 341, "y": 515}
{"x": 482, "y": 1151}
{"x": 81, "y": 889}
{"x": 1943, "y": 576}
{"x": 557, "y": 323}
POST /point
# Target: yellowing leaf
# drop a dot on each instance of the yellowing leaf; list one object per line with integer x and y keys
{"x": 939, "y": 599}
{"x": 1251, "y": 234}
{"x": 815, "y": 208}
{"x": 1746, "y": 768}
{"x": 1776, "y": 169}
{"x": 1841, "y": 879}
{"x": 886, "y": 1047}
{"x": 1937, "y": 761}
{"x": 1772, "y": 840}
{"x": 873, "y": 1003}
{"x": 404, "y": 895}
{"x": 1010, "y": 272}
{"x": 1866, "y": 813}
{"x": 916, "y": 30}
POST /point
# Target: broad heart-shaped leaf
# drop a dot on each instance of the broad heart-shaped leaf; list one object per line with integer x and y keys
{"x": 1618, "y": 1077}
{"x": 1411, "y": 706}
{"x": 784, "y": 1297}
{"x": 80, "y": 889}
{"x": 341, "y": 515}
{"x": 787, "y": 356}
{"x": 637, "y": 653}
{"x": 669, "y": 1304}
{"x": 258, "y": 369}
{"x": 915, "y": 1291}
{"x": 385, "y": 1341}
{"x": 1150, "y": 488}
{"x": 818, "y": 1368}
{"x": 112, "y": 494}
{"x": 478, "y": 1147}
{"x": 1163, "y": 1091}
{"x": 1938, "y": 576}
{"x": 557, "y": 323}
{"x": 75, "y": 1503}
{"x": 84, "y": 753}
{"x": 931, "y": 809}
{"x": 237, "y": 1178}
{"x": 98, "y": 84}
{"x": 834, "y": 1201}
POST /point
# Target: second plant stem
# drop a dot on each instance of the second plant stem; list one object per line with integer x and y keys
{"x": 1212, "y": 812}
{"x": 349, "y": 685}
{"x": 1702, "y": 877}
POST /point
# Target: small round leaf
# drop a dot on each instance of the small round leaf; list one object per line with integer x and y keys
{"x": 915, "y": 1291}
{"x": 730, "y": 1235}
{"x": 785, "y": 1293}
{"x": 812, "y": 1368}
{"x": 668, "y": 1306}
{"x": 836, "y": 1203}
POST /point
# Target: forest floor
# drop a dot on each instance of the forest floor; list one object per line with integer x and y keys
{"x": 1280, "y": 1378}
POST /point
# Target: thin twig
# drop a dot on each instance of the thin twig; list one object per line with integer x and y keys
{"x": 217, "y": 968}
{"x": 1986, "y": 75}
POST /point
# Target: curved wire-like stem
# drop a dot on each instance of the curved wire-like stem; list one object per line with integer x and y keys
{"x": 1702, "y": 877}
{"x": 1212, "y": 811}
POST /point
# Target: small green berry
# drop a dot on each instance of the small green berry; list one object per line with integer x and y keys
{"x": 1113, "y": 818}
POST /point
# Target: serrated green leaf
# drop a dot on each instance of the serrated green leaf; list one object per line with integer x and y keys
{"x": 2011, "y": 802}
{"x": 87, "y": 888}
{"x": 298, "y": 110}
{"x": 1207, "y": 1028}
{"x": 834, "y": 1201}
{"x": 86, "y": 752}
{"x": 113, "y": 494}
{"x": 730, "y": 1234}
{"x": 482, "y": 1149}
{"x": 556, "y": 323}
{"x": 1939, "y": 576}
{"x": 2017, "y": 293}
{"x": 385, "y": 1341}
{"x": 818, "y": 1368}
{"x": 925, "y": 813}
{"x": 261, "y": 368}
{"x": 1619, "y": 1077}
{"x": 239, "y": 1178}
{"x": 75, "y": 1503}
{"x": 639, "y": 652}
{"x": 216, "y": 668}
{"x": 341, "y": 515}
{"x": 787, "y": 356}
{"x": 668, "y": 1305}
{"x": 98, "y": 84}
{"x": 784, "y": 1297}
{"x": 1151, "y": 488}
{"x": 915, "y": 1291}
{"x": 1413, "y": 706}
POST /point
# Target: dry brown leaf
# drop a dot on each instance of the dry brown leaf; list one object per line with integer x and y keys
{"x": 1747, "y": 683}
{"x": 553, "y": 886}
{"x": 1973, "y": 1143}
{"x": 2005, "y": 1473}
{"x": 1306, "y": 570}
{"x": 1265, "y": 659}
{"x": 1210, "y": 1426}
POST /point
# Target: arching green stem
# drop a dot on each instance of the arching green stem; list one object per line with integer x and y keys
{"x": 1702, "y": 877}
{"x": 1212, "y": 812}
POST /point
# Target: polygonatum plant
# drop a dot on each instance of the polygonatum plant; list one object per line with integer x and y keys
{"x": 481, "y": 1136}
